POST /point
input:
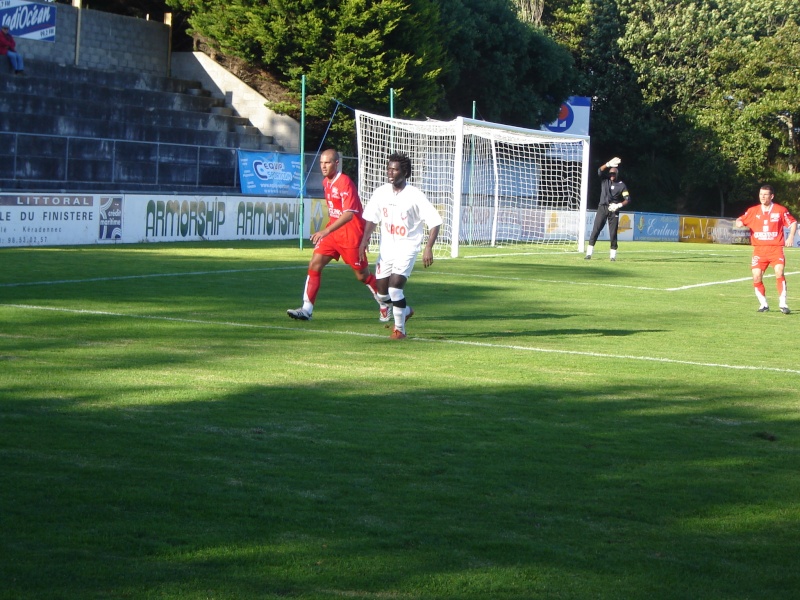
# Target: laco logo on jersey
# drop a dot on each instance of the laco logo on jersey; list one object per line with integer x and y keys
{"x": 393, "y": 229}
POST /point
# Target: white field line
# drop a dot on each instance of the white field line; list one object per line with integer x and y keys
{"x": 653, "y": 359}
{"x": 613, "y": 285}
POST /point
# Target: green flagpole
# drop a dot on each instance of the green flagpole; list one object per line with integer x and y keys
{"x": 302, "y": 158}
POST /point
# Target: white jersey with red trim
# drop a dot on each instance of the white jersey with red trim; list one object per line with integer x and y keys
{"x": 402, "y": 216}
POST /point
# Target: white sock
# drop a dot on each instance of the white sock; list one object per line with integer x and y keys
{"x": 762, "y": 298}
{"x": 613, "y": 254}
{"x": 399, "y": 318}
{"x": 589, "y": 250}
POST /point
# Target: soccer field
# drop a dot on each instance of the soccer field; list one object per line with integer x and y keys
{"x": 551, "y": 428}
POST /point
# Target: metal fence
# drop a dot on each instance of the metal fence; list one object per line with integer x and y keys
{"x": 73, "y": 163}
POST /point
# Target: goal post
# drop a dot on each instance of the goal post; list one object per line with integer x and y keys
{"x": 494, "y": 185}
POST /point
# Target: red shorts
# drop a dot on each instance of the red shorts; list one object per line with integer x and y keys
{"x": 764, "y": 256}
{"x": 328, "y": 247}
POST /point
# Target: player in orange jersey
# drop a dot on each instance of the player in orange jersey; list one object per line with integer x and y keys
{"x": 766, "y": 222}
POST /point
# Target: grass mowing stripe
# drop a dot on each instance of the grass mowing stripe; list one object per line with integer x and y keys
{"x": 559, "y": 281}
{"x": 414, "y": 339}
{"x": 146, "y": 276}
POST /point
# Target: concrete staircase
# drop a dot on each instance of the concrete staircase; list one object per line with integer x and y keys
{"x": 73, "y": 129}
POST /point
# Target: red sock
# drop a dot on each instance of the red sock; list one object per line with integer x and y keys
{"x": 371, "y": 283}
{"x": 760, "y": 287}
{"x": 781, "y": 281}
{"x": 312, "y": 286}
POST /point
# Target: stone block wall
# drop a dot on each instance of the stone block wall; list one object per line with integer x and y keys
{"x": 100, "y": 40}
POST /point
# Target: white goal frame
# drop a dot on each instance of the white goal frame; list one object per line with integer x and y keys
{"x": 515, "y": 185}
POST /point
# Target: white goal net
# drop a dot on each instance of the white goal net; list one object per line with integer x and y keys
{"x": 494, "y": 185}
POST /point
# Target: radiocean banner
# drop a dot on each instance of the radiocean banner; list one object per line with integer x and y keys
{"x": 29, "y": 20}
{"x": 269, "y": 174}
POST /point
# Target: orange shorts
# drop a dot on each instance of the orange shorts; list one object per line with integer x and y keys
{"x": 349, "y": 255}
{"x": 764, "y": 256}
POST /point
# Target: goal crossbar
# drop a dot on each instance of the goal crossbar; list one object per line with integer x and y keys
{"x": 494, "y": 185}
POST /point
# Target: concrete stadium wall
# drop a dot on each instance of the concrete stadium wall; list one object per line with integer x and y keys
{"x": 100, "y": 40}
{"x": 246, "y": 101}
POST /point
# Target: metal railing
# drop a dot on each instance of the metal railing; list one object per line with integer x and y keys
{"x": 57, "y": 162}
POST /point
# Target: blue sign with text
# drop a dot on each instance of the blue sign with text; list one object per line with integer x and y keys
{"x": 29, "y": 20}
{"x": 269, "y": 174}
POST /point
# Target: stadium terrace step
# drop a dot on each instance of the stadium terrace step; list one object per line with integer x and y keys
{"x": 66, "y": 128}
{"x": 96, "y": 128}
{"x": 30, "y": 104}
{"x": 125, "y": 80}
{"x": 53, "y": 88}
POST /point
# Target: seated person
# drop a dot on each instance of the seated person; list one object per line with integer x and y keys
{"x": 8, "y": 48}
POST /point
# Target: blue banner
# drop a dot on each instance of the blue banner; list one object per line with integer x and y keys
{"x": 656, "y": 227}
{"x": 29, "y": 20}
{"x": 269, "y": 174}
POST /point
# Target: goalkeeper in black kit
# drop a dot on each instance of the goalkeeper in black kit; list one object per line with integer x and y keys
{"x": 613, "y": 196}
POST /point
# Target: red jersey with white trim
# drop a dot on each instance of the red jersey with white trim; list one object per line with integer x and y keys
{"x": 766, "y": 226}
{"x": 341, "y": 196}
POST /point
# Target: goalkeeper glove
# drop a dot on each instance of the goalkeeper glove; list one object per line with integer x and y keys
{"x": 614, "y": 206}
{"x": 614, "y": 162}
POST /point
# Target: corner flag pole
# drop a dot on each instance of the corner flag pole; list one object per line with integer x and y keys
{"x": 302, "y": 157}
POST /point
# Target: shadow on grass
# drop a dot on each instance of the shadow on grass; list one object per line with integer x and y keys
{"x": 398, "y": 489}
{"x": 179, "y": 459}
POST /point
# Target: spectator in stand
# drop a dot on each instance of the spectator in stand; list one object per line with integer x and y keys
{"x": 8, "y": 48}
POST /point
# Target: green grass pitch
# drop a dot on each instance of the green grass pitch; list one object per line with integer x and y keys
{"x": 551, "y": 428}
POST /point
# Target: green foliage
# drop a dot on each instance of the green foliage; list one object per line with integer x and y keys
{"x": 520, "y": 83}
{"x": 759, "y": 81}
{"x": 437, "y": 57}
{"x": 689, "y": 92}
{"x": 351, "y": 51}
{"x": 787, "y": 189}
{"x": 706, "y": 66}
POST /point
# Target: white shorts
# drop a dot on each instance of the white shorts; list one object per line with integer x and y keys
{"x": 397, "y": 264}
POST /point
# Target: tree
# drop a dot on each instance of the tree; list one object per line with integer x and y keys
{"x": 530, "y": 11}
{"x": 759, "y": 83}
{"x": 685, "y": 55}
{"x": 438, "y": 57}
{"x": 514, "y": 72}
{"x": 350, "y": 51}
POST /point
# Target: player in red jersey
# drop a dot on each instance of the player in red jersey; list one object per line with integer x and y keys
{"x": 339, "y": 238}
{"x": 766, "y": 222}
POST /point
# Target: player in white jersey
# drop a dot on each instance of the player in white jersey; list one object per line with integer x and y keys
{"x": 402, "y": 211}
